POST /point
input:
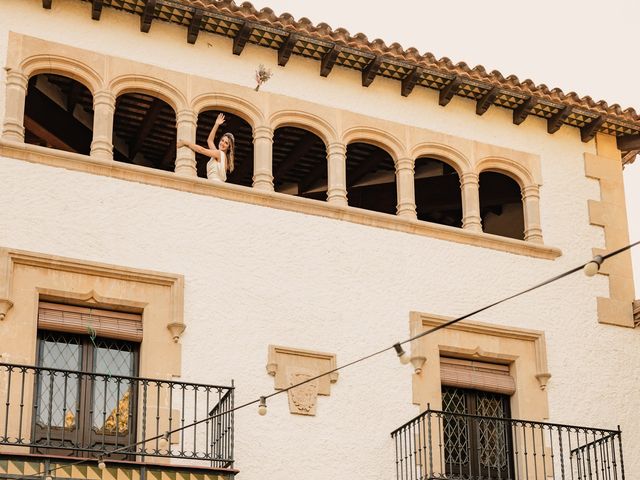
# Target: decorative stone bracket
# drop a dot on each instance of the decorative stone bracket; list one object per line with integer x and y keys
{"x": 291, "y": 366}
{"x": 176, "y": 329}
{"x": 5, "y": 306}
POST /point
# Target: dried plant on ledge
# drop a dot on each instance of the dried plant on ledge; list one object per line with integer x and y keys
{"x": 262, "y": 75}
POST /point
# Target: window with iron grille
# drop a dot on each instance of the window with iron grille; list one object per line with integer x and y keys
{"x": 85, "y": 392}
{"x": 477, "y": 443}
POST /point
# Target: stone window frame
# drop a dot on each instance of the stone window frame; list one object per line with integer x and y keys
{"x": 524, "y": 350}
{"x": 26, "y": 278}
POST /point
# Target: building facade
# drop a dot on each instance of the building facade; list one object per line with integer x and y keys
{"x": 376, "y": 194}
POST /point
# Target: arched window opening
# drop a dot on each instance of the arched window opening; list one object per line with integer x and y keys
{"x": 371, "y": 178}
{"x": 501, "y": 205}
{"x": 144, "y": 131}
{"x": 299, "y": 163}
{"x": 438, "y": 194}
{"x": 58, "y": 113}
{"x": 243, "y": 148}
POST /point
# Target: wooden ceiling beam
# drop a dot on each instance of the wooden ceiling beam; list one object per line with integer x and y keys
{"x": 554, "y": 123}
{"x": 410, "y": 81}
{"x": 329, "y": 60}
{"x": 145, "y": 127}
{"x": 487, "y": 100}
{"x": 55, "y": 120}
{"x": 589, "y": 130}
{"x": 300, "y": 149}
{"x": 447, "y": 93}
{"x": 169, "y": 154}
{"x": 194, "y": 25}
{"x": 629, "y": 142}
{"x": 366, "y": 167}
{"x": 310, "y": 180}
{"x": 286, "y": 49}
{"x": 240, "y": 40}
{"x": 46, "y": 4}
{"x": 147, "y": 15}
{"x": 43, "y": 133}
{"x": 74, "y": 96}
{"x": 521, "y": 112}
{"x": 96, "y": 9}
{"x": 370, "y": 71}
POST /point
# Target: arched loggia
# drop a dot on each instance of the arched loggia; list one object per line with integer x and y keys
{"x": 243, "y": 136}
{"x": 144, "y": 131}
{"x": 299, "y": 163}
{"x": 438, "y": 194}
{"x": 58, "y": 113}
{"x": 501, "y": 205}
{"x": 371, "y": 178}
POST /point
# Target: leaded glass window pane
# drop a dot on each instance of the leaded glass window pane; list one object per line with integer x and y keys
{"x": 58, "y": 392}
{"x": 111, "y": 397}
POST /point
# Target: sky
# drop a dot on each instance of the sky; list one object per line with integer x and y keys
{"x": 585, "y": 46}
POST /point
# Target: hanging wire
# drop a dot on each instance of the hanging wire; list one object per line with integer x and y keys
{"x": 346, "y": 365}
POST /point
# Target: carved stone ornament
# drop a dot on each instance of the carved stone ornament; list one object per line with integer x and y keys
{"x": 176, "y": 329}
{"x": 5, "y": 306}
{"x": 302, "y": 399}
{"x": 291, "y": 366}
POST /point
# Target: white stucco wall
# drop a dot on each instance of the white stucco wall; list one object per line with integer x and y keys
{"x": 255, "y": 275}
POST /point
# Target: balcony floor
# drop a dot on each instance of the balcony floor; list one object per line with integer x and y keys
{"x": 21, "y": 466}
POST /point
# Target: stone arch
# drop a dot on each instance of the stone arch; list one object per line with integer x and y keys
{"x": 444, "y": 153}
{"x": 151, "y": 86}
{"x": 67, "y": 67}
{"x": 305, "y": 121}
{"x": 229, "y": 103}
{"x": 517, "y": 215}
{"x": 384, "y": 140}
{"x": 516, "y": 171}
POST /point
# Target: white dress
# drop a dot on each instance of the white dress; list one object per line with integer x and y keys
{"x": 217, "y": 170}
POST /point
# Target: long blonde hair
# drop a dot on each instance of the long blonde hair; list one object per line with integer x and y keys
{"x": 231, "y": 151}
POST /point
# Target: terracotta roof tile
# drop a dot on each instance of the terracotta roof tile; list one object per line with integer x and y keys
{"x": 359, "y": 41}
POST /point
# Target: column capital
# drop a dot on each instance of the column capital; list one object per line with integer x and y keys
{"x": 469, "y": 177}
{"x": 16, "y": 77}
{"x": 104, "y": 97}
{"x": 186, "y": 115}
{"x": 263, "y": 132}
{"x": 531, "y": 191}
{"x": 336, "y": 148}
{"x": 405, "y": 164}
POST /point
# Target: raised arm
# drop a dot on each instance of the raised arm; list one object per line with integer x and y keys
{"x": 212, "y": 135}
{"x": 209, "y": 152}
{"x": 212, "y": 151}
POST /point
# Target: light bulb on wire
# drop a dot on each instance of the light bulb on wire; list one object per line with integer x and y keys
{"x": 163, "y": 444}
{"x": 101, "y": 464}
{"x": 591, "y": 268}
{"x": 402, "y": 355}
{"x": 262, "y": 406}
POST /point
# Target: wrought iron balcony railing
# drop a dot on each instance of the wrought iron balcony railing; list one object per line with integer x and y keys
{"x": 63, "y": 412}
{"x": 440, "y": 445}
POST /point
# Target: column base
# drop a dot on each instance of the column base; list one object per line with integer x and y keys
{"x": 186, "y": 167}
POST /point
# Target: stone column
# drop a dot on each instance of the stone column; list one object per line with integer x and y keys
{"x": 186, "y": 130}
{"x": 470, "y": 187}
{"x": 104, "y": 106}
{"x": 531, "y": 207}
{"x": 13, "y": 126}
{"x": 337, "y": 174}
{"x": 262, "y": 158}
{"x": 405, "y": 188}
